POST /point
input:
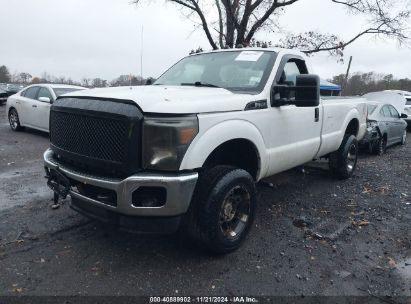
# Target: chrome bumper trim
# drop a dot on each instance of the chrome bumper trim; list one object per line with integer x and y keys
{"x": 180, "y": 188}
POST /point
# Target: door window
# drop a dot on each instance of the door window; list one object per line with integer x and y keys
{"x": 292, "y": 69}
{"x": 31, "y": 93}
{"x": 385, "y": 111}
{"x": 44, "y": 92}
{"x": 394, "y": 112}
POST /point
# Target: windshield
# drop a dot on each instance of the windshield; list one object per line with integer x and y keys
{"x": 371, "y": 108}
{"x": 244, "y": 71}
{"x": 408, "y": 103}
{"x": 13, "y": 88}
{"x": 61, "y": 91}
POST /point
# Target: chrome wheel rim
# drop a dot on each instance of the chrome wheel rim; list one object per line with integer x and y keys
{"x": 235, "y": 212}
{"x": 14, "y": 120}
{"x": 404, "y": 137}
{"x": 351, "y": 158}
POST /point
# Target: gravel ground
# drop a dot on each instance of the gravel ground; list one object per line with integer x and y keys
{"x": 313, "y": 235}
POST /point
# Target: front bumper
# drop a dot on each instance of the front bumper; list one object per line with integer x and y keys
{"x": 179, "y": 190}
{"x": 371, "y": 135}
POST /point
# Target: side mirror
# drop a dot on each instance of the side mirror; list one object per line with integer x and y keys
{"x": 306, "y": 92}
{"x": 45, "y": 99}
{"x": 404, "y": 115}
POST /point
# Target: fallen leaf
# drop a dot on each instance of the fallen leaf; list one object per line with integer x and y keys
{"x": 361, "y": 223}
{"x": 366, "y": 189}
{"x": 392, "y": 262}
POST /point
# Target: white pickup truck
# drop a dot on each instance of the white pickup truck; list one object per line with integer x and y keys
{"x": 186, "y": 151}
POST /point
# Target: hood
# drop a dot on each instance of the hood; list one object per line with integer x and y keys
{"x": 173, "y": 99}
{"x": 396, "y": 100}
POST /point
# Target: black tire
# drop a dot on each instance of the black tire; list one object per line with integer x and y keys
{"x": 380, "y": 146}
{"x": 343, "y": 162}
{"x": 14, "y": 120}
{"x": 222, "y": 210}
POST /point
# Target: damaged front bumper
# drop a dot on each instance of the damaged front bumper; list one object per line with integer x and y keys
{"x": 371, "y": 136}
{"x": 147, "y": 197}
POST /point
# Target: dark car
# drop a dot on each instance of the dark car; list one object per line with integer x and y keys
{"x": 6, "y": 90}
{"x": 3, "y": 96}
{"x": 385, "y": 127}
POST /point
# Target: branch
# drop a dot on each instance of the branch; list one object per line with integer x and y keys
{"x": 265, "y": 17}
{"x": 220, "y": 23}
{"x": 203, "y": 21}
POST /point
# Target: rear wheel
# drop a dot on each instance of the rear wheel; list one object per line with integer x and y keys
{"x": 14, "y": 120}
{"x": 222, "y": 211}
{"x": 343, "y": 162}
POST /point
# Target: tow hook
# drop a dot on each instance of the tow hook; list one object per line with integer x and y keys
{"x": 59, "y": 184}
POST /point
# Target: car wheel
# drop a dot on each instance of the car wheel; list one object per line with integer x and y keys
{"x": 404, "y": 138}
{"x": 343, "y": 162}
{"x": 14, "y": 120}
{"x": 222, "y": 211}
{"x": 380, "y": 146}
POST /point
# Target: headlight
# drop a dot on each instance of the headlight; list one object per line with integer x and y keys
{"x": 166, "y": 140}
{"x": 372, "y": 124}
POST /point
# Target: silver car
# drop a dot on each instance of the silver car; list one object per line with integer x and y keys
{"x": 385, "y": 127}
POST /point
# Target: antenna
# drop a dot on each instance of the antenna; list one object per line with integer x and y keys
{"x": 141, "y": 57}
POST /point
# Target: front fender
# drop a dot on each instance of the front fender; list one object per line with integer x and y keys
{"x": 207, "y": 141}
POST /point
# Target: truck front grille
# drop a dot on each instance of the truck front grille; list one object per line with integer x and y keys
{"x": 89, "y": 136}
{"x": 99, "y": 135}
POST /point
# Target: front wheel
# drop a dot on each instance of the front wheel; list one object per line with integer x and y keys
{"x": 343, "y": 162}
{"x": 380, "y": 146}
{"x": 222, "y": 210}
{"x": 14, "y": 120}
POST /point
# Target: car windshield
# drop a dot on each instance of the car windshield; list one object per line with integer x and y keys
{"x": 242, "y": 71}
{"x": 13, "y": 88}
{"x": 371, "y": 108}
{"x": 61, "y": 91}
{"x": 408, "y": 103}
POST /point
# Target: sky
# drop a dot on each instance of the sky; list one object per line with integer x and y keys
{"x": 103, "y": 38}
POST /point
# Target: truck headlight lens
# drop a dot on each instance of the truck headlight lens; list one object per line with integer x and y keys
{"x": 166, "y": 140}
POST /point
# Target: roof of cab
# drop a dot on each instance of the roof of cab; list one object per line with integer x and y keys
{"x": 258, "y": 49}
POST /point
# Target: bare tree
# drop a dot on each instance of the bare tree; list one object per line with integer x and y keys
{"x": 361, "y": 83}
{"x": 25, "y": 77}
{"x": 4, "y": 74}
{"x": 99, "y": 83}
{"x": 86, "y": 82}
{"x": 238, "y": 21}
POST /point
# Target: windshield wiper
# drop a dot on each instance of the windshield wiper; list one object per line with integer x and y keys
{"x": 200, "y": 84}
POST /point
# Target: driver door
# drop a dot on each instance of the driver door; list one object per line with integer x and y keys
{"x": 42, "y": 113}
{"x": 296, "y": 131}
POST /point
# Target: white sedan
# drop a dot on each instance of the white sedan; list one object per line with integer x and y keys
{"x": 31, "y": 106}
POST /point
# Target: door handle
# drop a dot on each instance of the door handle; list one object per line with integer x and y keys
{"x": 317, "y": 115}
{"x": 34, "y": 106}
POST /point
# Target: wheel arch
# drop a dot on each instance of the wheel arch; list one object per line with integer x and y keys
{"x": 212, "y": 147}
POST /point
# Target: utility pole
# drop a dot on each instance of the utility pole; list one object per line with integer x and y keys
{"x": 141, "y": 55}
{"x": 347, "y": 74}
